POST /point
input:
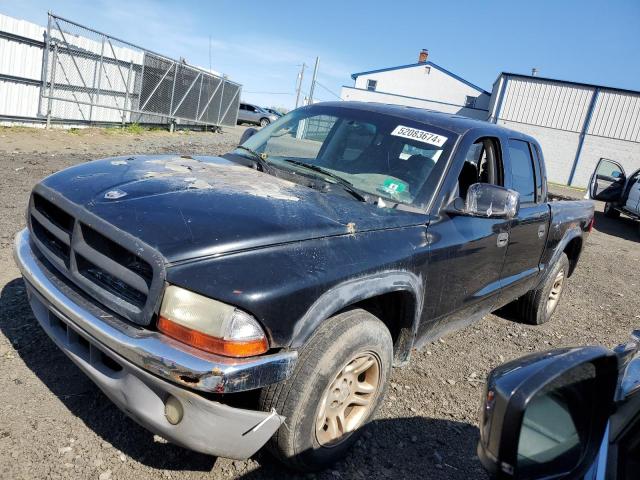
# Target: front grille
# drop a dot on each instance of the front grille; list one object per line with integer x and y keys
{"x": 86, "y": 251}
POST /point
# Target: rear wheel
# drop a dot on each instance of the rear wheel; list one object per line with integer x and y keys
{"x": 610, "y": 211}
{"x": 537, "y": 306}
{"x": 337, "y": 386}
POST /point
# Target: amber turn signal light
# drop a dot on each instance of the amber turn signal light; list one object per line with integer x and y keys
{"x": 220, "y": 346}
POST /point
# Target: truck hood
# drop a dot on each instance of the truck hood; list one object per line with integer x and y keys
{"x": 188, "y": 207}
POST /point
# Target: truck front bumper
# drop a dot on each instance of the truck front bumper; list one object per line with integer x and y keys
{"x": 141, "y": 370}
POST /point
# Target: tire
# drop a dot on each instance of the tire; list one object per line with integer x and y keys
{"x": 534, "y": 307}
{"x": 340, "y": 343}
{"x": 264, "y": 122}
{"x": 611, "y": 212}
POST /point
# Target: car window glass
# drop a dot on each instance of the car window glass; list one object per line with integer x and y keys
{"x": 480, "y": 165}
{"x": 538, "y": 172}
{"x": 522, "y": 176}
{"x": 300, "y": 141}
{"x": 609, "y": 169}
{"x": 375, "y": 153}
{"x": 556, "y": 424}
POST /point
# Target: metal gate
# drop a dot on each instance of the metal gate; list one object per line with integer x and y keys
{"x": 90, "y": 76}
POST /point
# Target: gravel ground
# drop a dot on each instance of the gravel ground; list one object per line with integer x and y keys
{"x": 54, "y": 423}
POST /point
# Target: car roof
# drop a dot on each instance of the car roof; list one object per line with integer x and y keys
{"x": 449, "y": 121}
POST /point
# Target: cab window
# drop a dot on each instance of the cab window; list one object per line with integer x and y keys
{"x": 540, "y": 194}
{"x": 482, "y": 164}
{"x": 523, "y": 179}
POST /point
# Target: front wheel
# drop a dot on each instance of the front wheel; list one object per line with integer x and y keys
{"x": 537, "y": 306}
{"x": 337, "y": 386}
{"x": 264, "y": 122}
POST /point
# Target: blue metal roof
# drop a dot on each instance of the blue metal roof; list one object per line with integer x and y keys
{"x": 430, "y": 64}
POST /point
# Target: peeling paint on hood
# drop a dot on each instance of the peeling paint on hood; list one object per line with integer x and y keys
{"x": 188, "y": 207}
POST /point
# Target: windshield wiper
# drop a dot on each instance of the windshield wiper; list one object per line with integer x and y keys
{"x": 345, "y": 184}
{"x": 260, "y": 160}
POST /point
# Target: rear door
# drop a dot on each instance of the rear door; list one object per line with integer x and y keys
{"x": 607, "y": 181}
{"x": 528, "y": 231}
{"x": 253, "y": 114}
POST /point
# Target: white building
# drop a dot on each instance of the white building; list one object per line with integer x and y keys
{"x": 424, "y": 85}
{"x": 575, "y": 123}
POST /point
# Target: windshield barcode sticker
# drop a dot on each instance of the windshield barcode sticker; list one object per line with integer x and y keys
{"x": 419, "y": 135}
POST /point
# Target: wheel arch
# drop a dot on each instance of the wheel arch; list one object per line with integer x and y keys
{"x": 394, "y": 297}
{"x": 573, "y": 250}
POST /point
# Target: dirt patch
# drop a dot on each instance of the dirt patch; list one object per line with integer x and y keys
{"x": 56, "y": 423}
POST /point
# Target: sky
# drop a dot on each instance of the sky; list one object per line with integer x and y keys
{"x": 262, "y": 45}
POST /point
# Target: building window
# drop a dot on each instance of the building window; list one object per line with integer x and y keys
{"x": 371, "y": 85}
{"x": 470, "y": 101}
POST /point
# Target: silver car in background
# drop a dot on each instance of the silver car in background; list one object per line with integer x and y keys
{"x": 253, "y": 114}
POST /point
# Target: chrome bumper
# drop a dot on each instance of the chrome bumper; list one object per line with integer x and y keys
{"x": 145, "y": 349}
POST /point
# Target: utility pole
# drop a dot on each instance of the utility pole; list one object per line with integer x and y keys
{"x": 313, "y": 82}
{"x": 299, "y": 87}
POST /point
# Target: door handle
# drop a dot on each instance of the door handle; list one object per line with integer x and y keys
{"x": 503, "y": 239}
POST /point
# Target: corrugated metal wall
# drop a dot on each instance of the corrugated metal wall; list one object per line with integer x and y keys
{"x": 20, "y": 67}
{"x": 576, "y": 124}
{"x": 616, "y": 115}
{"x": 93, "y": 77}
{"x": 546, "y": 104}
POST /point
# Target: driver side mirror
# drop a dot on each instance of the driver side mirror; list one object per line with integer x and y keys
{"x": 545, "y": 415}
{"x": 247, "y": 134}
{"x": 488, "y": 201}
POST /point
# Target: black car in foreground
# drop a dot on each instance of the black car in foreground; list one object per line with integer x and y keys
{"x": 224, "y": 302}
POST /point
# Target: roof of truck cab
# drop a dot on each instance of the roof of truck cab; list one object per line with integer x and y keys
{"x": 449, "y": 121}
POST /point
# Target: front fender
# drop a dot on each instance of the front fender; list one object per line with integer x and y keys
{"x": 356, "y": 290}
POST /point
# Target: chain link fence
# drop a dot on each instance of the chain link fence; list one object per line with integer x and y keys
{"x": 91, "y": 77}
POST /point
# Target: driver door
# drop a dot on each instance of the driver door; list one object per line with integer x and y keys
{"x": 466, "y": 253}
{"x": 607, "y": 181}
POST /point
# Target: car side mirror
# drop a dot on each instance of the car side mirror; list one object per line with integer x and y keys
{"x": 616, "y": 174}
{"x": 489, "y": 201}
{"x": 247, "y": 134}
{"x": 545, "y": 415}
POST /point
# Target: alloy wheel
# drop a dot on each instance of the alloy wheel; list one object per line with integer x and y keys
{"x": 348, "y": 401}
{"x": 554, "y": 294}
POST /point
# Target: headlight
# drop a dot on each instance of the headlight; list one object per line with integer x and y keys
{"x": 210, "y": 325}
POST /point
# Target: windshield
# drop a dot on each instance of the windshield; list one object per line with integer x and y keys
{"x": 381, "y": 155}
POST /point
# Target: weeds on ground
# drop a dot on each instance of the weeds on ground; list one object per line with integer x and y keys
{"x": 132, "y": 129}
{"x": 17, "y": 128}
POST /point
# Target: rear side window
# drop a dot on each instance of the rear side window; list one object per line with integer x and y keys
{"x": 536, "y": 164}
{"x": 522, "y": 175}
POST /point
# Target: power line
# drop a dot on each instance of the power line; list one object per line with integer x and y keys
{"x": 328, "y": 90}
{"x": 272, "y": 93}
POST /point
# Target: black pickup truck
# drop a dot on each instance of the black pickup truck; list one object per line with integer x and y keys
{"x": 224, "y": 302}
